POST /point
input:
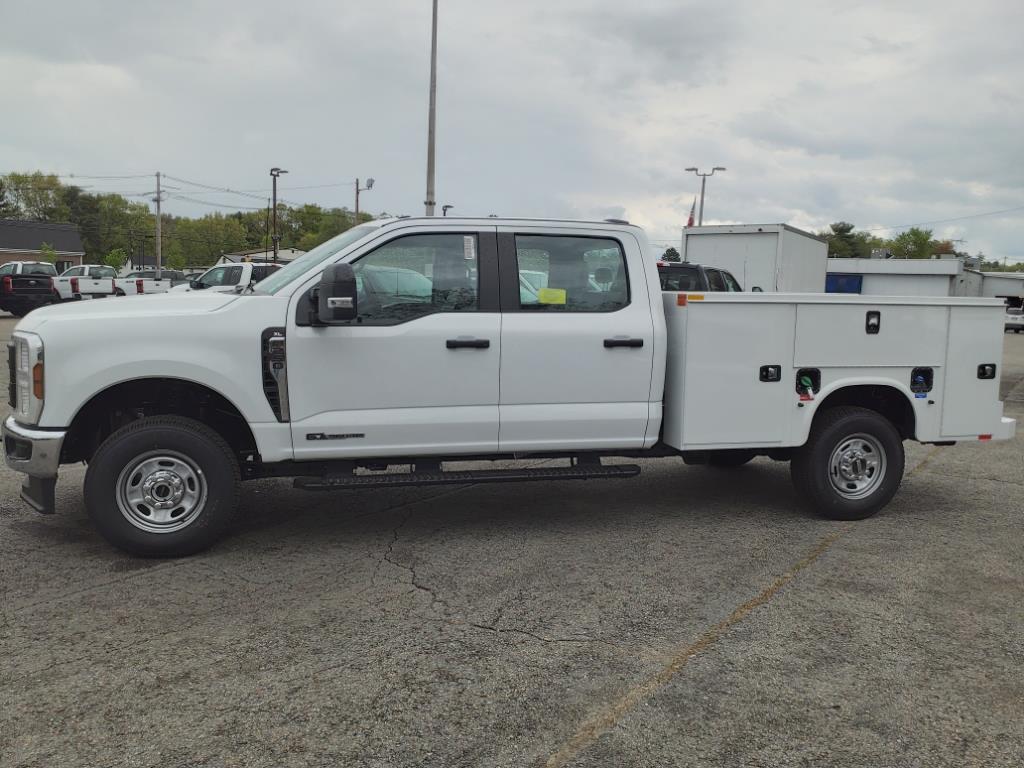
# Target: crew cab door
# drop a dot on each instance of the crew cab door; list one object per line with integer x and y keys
{"x": 417, "y": 372}
{"x": 577, "y": 340}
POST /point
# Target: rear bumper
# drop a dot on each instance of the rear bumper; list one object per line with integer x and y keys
{"x": 1007, "y": 429}
{"x": 35, "y": 453}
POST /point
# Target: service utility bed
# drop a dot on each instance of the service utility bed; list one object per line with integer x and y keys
{"x": 734, "y": 359}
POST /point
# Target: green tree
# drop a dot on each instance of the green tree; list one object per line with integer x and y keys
{"x": 47, "y": 253}
{"x": 9, "y": 208}
{"x": 913, "y": 244}
{"x": 38, "y": 196}
{"x": 116, "y": 258}
{"x": 670, "y": 254}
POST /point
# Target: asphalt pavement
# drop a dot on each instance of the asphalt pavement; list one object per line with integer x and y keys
{"x": 689, "y": 617}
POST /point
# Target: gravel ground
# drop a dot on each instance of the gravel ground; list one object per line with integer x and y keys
{"x": 690, "y": 617}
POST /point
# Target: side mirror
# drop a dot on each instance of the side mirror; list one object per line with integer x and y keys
{"x": 757, "y": 289}
{"x": 336, "y": 295}
{"x": 195, "y": 285}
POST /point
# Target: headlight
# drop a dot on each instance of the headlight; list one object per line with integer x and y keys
{"x": 28, "y": 377}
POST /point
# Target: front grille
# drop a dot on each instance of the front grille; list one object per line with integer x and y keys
{"x": 12, "y": 384}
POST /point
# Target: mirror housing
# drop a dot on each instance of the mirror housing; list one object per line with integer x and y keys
{"x": 336, "y": 295}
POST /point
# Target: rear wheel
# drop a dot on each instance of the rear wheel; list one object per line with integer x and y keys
{"x": 851, "y": 465}
{"x": 162, "y": 486}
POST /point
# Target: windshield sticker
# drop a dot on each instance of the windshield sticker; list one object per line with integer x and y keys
{"x": 469, "y": 247}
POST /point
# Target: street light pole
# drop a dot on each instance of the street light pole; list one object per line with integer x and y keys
{"x": 431, "y": 116}
{"x": 369, "y": 186}
{"x": 276, "y": 238}
{"x": 703, "y": 184}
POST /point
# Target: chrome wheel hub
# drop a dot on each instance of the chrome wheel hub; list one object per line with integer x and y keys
{"x": 161, "y": 492}
{"x": 857, "y": 466}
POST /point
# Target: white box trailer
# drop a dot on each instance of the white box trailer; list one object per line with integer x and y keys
{"x": 766, "y": 257}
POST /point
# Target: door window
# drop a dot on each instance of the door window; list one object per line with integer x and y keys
{"x": 730, "y": 282}
{"x": 680, "y": 278}
{"x": 560, "y": 273}
{"x": 222, "y": 276}
{"x": 417, "y": 275}
{"x": 102, "y": 272}
{"x": 7, "y": 269}
{"x": 74, "y": 272}
{"x": 715, "y": 280}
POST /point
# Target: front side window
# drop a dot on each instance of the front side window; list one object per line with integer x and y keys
{"x": 715, "y": 280}
{"x": 103, "y": 272}
{"x": 730, "y": 282}
{"x": 7, "y": 269}
{"x": 559, "y": 273}
{"x": 415, "y": 276}
{"x": 216, "y": 276}
{"x": 74, "y": 272}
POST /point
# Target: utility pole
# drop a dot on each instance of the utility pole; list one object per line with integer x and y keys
{"x": 703, "y": 184}
{"x": 367, "y": 188}
{"x": 431, "y": 117}
{"x": 159, "y": 240}
{"x": 276, "y": 238}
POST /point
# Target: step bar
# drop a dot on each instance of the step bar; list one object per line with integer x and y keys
{"x": 459, "y": 477}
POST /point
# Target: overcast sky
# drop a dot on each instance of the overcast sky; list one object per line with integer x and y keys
{"x": 879, "y": 113}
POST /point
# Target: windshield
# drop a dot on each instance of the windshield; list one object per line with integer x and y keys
{"x": 318, "y": 255}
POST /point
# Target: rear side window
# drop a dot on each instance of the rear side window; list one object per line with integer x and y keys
{"x": 715, "y": 280}
{"x": 560, "y": 273}
{"x": 680, "y": 278}
{"x": 103, "y": 272}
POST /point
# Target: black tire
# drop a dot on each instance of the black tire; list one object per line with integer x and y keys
{"x": 118, "y": 292}
{"x": 192, "y": 452}
{"x": 730, "y": 459}
{"x": 836, "y": 429}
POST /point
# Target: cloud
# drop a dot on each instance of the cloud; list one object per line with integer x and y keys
{"x": 875, "y": 113}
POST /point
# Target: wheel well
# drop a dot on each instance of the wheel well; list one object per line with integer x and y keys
{"x": 128, "y": 401}
{"x": 883, "y": 399}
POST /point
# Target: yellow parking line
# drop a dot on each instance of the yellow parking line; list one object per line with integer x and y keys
{"x": 607, "y": 718}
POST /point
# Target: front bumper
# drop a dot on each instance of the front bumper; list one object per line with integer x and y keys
{"x": 36, "y": 453}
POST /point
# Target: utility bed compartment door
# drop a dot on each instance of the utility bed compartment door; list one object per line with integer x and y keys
{"x": 724, "y": 401}
{"x": 970, "y": 405}
{"x": 836, "y": 335}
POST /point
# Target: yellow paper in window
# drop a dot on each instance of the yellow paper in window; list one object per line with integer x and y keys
{"x": 551, "y": 295}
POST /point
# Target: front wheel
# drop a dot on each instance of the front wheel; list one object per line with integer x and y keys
{"x": 851, "y": 465}
{"x": 162, "y": 486}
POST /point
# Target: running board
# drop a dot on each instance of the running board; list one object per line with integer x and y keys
{"x": 583, "y": 472}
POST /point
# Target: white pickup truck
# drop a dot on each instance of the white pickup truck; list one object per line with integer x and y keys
{"x": 146, "y": 283}
{"x": 225, "y": 278}
{"x": 88, "y": 281}
{"x": 338, "y": 367}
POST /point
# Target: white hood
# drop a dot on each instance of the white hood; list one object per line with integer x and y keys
{"x": 125, "y": 307}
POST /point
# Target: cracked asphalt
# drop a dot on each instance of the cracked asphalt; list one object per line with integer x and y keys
{"x": 690, "y": 617}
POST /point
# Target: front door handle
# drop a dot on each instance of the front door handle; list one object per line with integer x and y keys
{"x": 622, "y": 341}
{"x": 467, "y": 343}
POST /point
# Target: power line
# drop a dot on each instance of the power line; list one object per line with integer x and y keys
{"x": 944, "y": 221}
{"x": 217, "y": 205}
{"x": 216, "y": 188}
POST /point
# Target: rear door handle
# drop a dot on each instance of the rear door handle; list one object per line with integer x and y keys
{"x": 467, "y": 343}
{"x": 622, "y": 341}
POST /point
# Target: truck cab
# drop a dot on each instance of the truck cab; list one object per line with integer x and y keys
{"x": 423, "y": 344}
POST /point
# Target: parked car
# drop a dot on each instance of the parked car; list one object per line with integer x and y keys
{"x": 1014, "y": 320}
{"x": 26, "y": 285}
{"x": 684, "y": 276}
{"x": 146, "y": 282}
{"x": 87, "y": 281}
{"x": 227, "y": 277}
{"x": 305, "y": 377}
